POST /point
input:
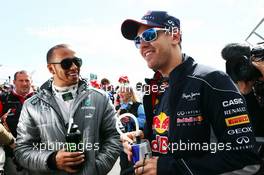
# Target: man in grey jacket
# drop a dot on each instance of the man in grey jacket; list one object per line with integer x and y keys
{"x": 66, "y": 104}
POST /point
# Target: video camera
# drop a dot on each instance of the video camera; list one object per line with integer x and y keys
{"x": 239, "y": 61}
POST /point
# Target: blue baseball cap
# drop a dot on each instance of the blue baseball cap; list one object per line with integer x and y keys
{"x": 162, "y": 19}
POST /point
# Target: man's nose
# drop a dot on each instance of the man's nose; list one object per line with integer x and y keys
{"x": 144, "y": 44}
{"x": 74, "y": 66}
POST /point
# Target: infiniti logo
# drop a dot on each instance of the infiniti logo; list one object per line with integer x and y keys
{"x": 243, "y": 139}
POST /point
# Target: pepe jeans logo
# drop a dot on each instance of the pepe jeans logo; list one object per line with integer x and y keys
{"x": 191, "y": 96}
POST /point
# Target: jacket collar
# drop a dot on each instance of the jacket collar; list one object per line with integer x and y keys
{"x": 181, "y": 71}
{"x": 47, "y": 86}
{"x": 46, "y": 95}
{"x": 177, "y": 74}
{"x": 20, "y": 97}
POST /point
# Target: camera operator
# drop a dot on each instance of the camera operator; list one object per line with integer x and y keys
{"x": 260, "y": 66}
{"x": 246, "y": 68}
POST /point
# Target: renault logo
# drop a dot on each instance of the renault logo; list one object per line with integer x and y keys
{"x": 243, "y": 139}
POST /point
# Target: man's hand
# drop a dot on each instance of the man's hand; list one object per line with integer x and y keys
{"x": 3, "y": 119}
{"x": 260, "y": 66}
{"x": 245, "y": 87}
{"x": 127, "y": 140}
{"x": 67, "y": 160}
{"x": 146, "y": 166}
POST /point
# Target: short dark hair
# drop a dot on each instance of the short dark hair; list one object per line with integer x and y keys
{"x": 51, "y": 51}
{"x": 20, "y": 72}
{"x": 105, "y": 81}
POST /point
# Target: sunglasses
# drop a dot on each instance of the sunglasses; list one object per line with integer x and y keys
{"x": 148, "y": 35}
{"x": 67, "y": 62}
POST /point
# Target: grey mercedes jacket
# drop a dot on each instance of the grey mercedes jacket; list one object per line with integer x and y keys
{"x": 42, "y": 129}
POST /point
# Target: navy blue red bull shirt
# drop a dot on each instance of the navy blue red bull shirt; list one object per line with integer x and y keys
{"x": 199, "y": 124}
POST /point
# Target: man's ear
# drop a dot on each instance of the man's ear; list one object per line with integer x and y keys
{"x": 51, "y": 68}
{"x": 176, "y": 36}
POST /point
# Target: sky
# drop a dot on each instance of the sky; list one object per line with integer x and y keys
{"x": 29, "y": 28}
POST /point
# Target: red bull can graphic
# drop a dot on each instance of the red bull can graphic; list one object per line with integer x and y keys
{"x": 141, "y": 151}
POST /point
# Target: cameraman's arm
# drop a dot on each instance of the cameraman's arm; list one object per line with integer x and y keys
{"x": 245, "y": 87}
{"x": 260, "y": 66}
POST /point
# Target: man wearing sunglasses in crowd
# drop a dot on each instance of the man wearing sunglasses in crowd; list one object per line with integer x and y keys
{"x": 66, "y": 109}
{"x": 197, "y": 125}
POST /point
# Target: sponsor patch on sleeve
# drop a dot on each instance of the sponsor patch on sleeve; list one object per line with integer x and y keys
{"x": 237, "y": 120}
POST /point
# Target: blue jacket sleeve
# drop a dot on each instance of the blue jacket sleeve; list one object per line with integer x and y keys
{"x": 141, "y": 116}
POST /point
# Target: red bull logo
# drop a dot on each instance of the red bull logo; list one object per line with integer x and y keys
{"x": 160, "y": 145}
{"x": 161, "y": 123}
{"x": 190, "y": 119}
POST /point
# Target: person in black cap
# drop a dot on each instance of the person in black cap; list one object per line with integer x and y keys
{"x": 199, "y": 124}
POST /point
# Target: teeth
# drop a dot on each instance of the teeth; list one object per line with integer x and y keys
{"x": 73, "y": 74}
{"x": 148, "y": 53}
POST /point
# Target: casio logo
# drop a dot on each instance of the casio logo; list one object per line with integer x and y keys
{"x": 232, "y": 102}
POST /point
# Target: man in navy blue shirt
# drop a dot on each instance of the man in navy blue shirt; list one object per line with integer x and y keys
{"x": 196, "y": 120}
